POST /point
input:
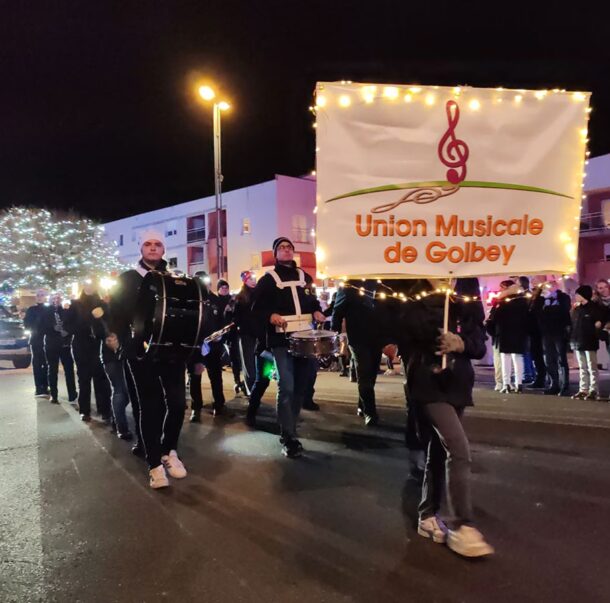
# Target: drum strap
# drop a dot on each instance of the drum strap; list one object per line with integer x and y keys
{"x": 293, "y": 287}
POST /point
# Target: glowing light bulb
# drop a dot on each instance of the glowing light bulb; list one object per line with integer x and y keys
{"x": 320, "y": 100}
{"x": 408, "y": 98}
{"x": 430, "y": 99}
{"x": 518, "y": 98}
{"x": 474, "y": 104}
{"x": 345, "y": 101}
{"x": 390, "y": 92}
{"x": 579, "y": 96}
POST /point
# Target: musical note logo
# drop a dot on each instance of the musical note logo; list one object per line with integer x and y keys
{"x": 452, "y": 151}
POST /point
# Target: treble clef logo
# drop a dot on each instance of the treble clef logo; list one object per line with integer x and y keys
{"x": 452, "y": 151}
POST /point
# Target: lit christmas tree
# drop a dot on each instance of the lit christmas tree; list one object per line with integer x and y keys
{"x": 42, "y": 249}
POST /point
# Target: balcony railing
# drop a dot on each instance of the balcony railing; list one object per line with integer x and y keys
{"x": 594, "y": 223}
{"x": 196, "y": 234}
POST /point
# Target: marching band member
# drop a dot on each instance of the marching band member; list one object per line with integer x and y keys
{"x": 160, "y": 385}
{"x": 441, "y": 395}
{"x": 283, "y": 300}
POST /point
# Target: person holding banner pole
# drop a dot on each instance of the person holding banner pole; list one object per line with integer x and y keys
{"x": 441, "y": 396}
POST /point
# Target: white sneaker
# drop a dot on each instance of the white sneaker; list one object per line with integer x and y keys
{"x": 173, "y": 465}
{"x": 434, "y": 528}
{"x": 158, "y": 477}
{"x": 468, "y": 542}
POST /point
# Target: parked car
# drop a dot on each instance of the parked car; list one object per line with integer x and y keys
{"x": 14, "y": 340}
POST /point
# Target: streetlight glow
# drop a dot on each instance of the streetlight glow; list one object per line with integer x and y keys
{"x": 206, "y": 93}
{"x": 224, "y": 106}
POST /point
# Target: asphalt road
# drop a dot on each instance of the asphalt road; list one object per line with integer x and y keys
{"x": 79, "y": 522}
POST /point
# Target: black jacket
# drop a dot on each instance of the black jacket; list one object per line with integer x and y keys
{"x": 508, "y": 324}
{"x": 553, "y": 314}
{"x": 585, "y": 335}
{"x": 123, "y": 302}
{"x": 243, "y": 316}
{"x": 419, "y": 326}
{"x": 270, "y": 299}
{"x": 32, "y": 322}
{"x": 361, "y": 317}
{"x": 53, "y": 327}
{"x": 80, "y": 322}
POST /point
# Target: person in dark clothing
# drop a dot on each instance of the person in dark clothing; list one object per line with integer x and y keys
{"x": 214, "y": 319}
{"x": 535, "y": 336}
{"x": 58, "y": 346}
{"x": 587, "y": 322}
{"x": 231, "y": 339}
{"x": 283, "y": 301}
{"x": 552, "y": 311}
{"x": 441, "y": 396}
{"x": 32, "y": 322}
{"x": 86, "y": 345}
{"x": 247, "y": 329}
{"x": 365, "y": 341}
{"x": 160, "y": 384}
{"x": 508, "y": 324}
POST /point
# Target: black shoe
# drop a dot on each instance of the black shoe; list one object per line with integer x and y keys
{"x": 518, "y": 389}
{"x": 250, "y": 420}
{"x": 292, "y": 449}
{"x": 137, "y": 449}
{"x": 551, "y": 391}
{"x": 353, "y": 380}
{"x": 54, "y": 401}
{"x": 343, "y": 375}
{"x": 107, "y": 419}
{"x": 85, "y": 418}
{"x": 506, "y": 390}
{"x": 73, "y": 397}
{"x": 370, "y": 420}
{"x": 222, "y": 411}
{"x": 127, "y": 436}
{"x": 195, "y": 416}
{"x": 237, "y": 389}
{"x": 564, "y": 392}
{"x": 311, "y": 406}
{"x": 360, "y": 412}
{"x": 537, "y": 385}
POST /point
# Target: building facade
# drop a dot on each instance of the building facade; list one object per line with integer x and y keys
{"x": 251, "y": 219}
{"x": 594, "y": 243}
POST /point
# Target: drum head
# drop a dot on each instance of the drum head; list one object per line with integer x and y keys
{"x": 313, "y": 334}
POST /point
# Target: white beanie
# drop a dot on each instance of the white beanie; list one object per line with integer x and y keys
{"x": 150, "y": 234}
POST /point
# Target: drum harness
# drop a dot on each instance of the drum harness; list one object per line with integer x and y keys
{"x": 298, "y": 320}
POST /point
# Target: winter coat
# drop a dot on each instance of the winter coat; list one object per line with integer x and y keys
{"x": 585, "y": 335}
{"x": 53, "y": 327}
{"x": 419, "y": 324}
{"x": 270, "y": 299}
{"x": 508, "y": 324}
{"x": 553, "y": 314}
{"x": 244, "y": 317}
{"x": 361, "y": 316}
{"x": 32, "y": 322}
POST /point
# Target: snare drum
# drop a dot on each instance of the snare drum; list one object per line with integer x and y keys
{"x": 313, "y": 343}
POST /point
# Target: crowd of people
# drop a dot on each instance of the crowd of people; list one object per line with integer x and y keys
{"x": 530, "y": 333}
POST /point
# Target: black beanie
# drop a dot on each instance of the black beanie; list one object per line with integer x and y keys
{"x": 278, "y": 242}
{"x": 221, "y": 283}
{"x": 585, "y": 291}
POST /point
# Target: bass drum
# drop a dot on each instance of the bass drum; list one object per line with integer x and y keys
{"x": 169, "y": 317}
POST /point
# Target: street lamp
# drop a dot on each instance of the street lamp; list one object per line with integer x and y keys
{"x": 208, "y": 94}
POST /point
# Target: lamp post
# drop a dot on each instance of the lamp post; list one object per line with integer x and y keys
{"x": 207, "y": 94}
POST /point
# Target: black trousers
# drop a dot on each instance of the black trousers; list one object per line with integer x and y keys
{"x": 39, "y": 366}
{"x": 538, "y": 356}
{"x": 234, "y": 356}
{"x": 55, "y": 352}
{"x": 161, "y": 392}
{"x": 556, "y": 360}
{"x": 366, "y": 361}
{"x": 213, "y": 364}
{"x": 247, "y": 347}
{"x": 89, "y": 367}
{"x": 263, "y": 367}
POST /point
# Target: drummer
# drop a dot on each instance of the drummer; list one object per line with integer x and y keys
{"x": 283, "y": 301}
{"x": 160, "y": 385}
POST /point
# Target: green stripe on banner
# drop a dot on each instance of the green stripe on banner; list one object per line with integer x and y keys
{"x": 465, "y": 184}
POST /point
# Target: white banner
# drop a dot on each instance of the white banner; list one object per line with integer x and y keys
{"x": 438, "y": 181}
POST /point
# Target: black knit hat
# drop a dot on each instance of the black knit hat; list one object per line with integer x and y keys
{"x": 221, "y": 283}
{"x": 279, "y": 241}
{"x": 585, "y": 291}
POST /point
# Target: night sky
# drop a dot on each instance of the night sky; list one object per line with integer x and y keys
{"x": 97, "y": 101}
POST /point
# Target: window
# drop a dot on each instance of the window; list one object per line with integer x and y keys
{"x": 255, "y": 261}
{"x": 607, "y": 252}
{"x": 195, "y": 228}
{"x": 173, "y": 262}
{"x": 120, "y": 240}
{"x": 171, "y": 228}
{"x": 196, "y": 255}
{"x": 245, "y": 226}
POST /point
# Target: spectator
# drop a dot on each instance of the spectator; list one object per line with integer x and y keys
{"x": 586, "y": 327}
{"x": 32, "y": 322}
